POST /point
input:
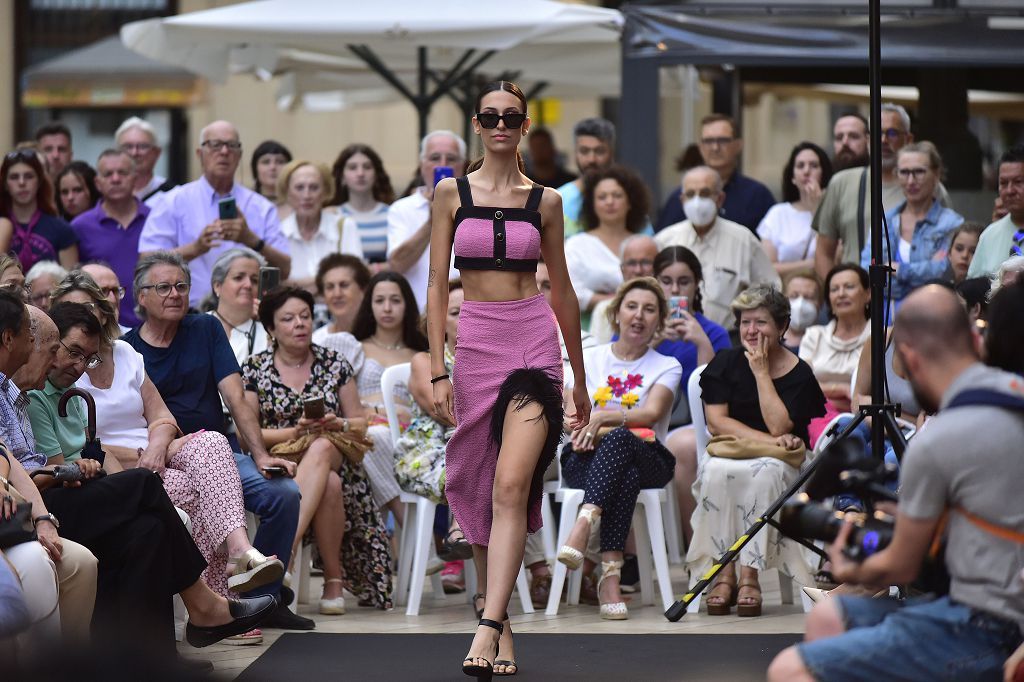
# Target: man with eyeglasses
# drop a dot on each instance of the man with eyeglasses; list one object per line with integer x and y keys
{"x": 1004, "y": 237}
{"x": 110, "y": 286}
{"x": 110, "y": 230}
{"x": 844, "y": 214}
{"x": 746, "y": 200}
{"x": 409, "y": 217}
{"x": 636, "y": 259}
{"x": 138, "y": 139}
{"x": 189, "y": 220}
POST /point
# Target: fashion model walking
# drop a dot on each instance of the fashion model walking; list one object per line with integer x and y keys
{"x": 508, "y": 364}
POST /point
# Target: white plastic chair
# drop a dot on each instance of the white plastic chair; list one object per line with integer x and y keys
{"x": 416, "y": 541}
{"x": 700, "y": 427}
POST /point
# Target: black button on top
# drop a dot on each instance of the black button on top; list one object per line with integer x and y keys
{"x": 499, "y": 236}
{"x": 498, "y": 215}
{"x": 497, "y": 261}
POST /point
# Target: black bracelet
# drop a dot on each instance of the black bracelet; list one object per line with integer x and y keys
{"x": 439, "y": 378}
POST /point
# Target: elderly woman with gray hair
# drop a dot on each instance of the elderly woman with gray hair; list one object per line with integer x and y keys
{"x": 758, "y": 401}
{"x": 234, "y": 283}
{"x": 197, "y": 469}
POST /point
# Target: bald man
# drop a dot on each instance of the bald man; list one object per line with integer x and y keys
{"x": 188, "y": 220}
{"x": 951, "y": 465}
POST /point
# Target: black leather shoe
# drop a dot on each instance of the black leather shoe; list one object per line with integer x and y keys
{"x": 284, "y": 619}
{"x": 286, "y": 596}
{"x": 247, "y": 613}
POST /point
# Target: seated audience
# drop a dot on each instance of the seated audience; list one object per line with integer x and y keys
{"x": 266, "y": 163}
{"x": 803, "y": 289}
{"x": 832, "y": 350}
{"x": 1003, "y": 238}
{"x": 126, "y": 519}
{"x": 765, "y": 397}
{"x": 76, "y": 190}
{"x": 57, "y": 576}
{"x": 409, "y": 217}
{"x": 785, "y": 230}
{"x": 135, "y": 426}
{"x": 341, "y": 280}
{"x": 110, "y": 286}
{"x": 692, "y": 340}
{"x": 138, "y": 138}
{"x": 234, "y": 281}
{"x": 188, "y": 221}
{"x": 957, "y": 477}
{"x": 363, "y": 193}
{"x": 614, "y": 207}
{"x": 33, "y": 232}
{"x": 621, "y": 450}
{"x": 110, "y": 232}
{"x": 387, "y": 326}
{"x": 41, "y": 280}
{"x": 313, "y": 231}
{"x": 336, "y": 499}
{"x": 636, "y": 259}
{"x": 729, "y": 253}
{"x": 190, "y": 362}
{"x": 12, "y": 277}
{"x": 962, "y": 246}
{"x": 918, "y": 229}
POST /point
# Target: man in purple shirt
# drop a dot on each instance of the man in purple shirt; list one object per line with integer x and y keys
{"x": 110, "y": 231}
{"x": 188, "y": 220}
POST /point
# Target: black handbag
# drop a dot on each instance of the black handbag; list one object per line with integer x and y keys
{"x": 18, "y": 528}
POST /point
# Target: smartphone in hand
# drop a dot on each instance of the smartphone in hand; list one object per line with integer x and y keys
{"x": 676, "y": 306}
{"x": 275, "y": 471}
{"x": 270, "y": 277}
{"x": 227, "y": 208}
{"x": 442, "y": 172}
{"x": 313, "y": 408}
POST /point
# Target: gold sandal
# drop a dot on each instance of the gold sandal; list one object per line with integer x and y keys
{"x": 252, "y": 570}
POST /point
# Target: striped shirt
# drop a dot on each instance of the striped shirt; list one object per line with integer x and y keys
{"x": 15, "y": 427}
{"x": 373, "y": 230}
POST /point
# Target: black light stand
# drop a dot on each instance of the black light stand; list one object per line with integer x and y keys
{"x": 883, "y": 415}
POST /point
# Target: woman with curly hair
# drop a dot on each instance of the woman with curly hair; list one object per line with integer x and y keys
{"x": 615, "y": 203}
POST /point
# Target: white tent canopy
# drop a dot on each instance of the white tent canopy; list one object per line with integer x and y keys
{"x": 325, "y": 44}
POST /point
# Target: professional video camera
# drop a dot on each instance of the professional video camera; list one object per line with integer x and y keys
{"x": 845, "y": 468}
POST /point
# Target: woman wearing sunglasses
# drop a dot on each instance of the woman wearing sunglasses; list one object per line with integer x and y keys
{"x": 508, "y": 364}
{"x": 32, "y": 229}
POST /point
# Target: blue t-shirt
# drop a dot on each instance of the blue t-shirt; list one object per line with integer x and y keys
{"x": 686, "y": 353}
{"x": 187, "y": 372}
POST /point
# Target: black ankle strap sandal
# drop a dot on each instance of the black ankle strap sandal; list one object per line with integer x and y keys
{"x": 487, "y": 670}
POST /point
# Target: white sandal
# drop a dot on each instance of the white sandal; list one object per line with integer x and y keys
{"x": 615, "y": 610}
{"x": 252, "y": 570}
{"x": 570, "y": 556}
{"x": 333, "y": 607}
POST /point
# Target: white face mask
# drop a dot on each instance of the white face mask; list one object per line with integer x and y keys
{"x": 700, "y": 210}
{"x": 802, "y": 313}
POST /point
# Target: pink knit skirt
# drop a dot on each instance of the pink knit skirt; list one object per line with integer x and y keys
{"x": 507, "y": 354}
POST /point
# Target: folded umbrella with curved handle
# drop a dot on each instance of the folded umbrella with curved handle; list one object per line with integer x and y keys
{"x": 93, "y": 448}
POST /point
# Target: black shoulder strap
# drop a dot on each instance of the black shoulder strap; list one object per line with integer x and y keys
{"x": 862, "y": 193}
{"x": 533, "y": 201}
{"x": 465, "y": 194}
{"x": 984, "y": 396}
{"x": 166, "y": 187}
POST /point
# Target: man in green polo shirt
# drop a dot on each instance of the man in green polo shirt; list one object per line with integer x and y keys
{"x": 61, "y": 439}
{"x": 1004, "y": 237}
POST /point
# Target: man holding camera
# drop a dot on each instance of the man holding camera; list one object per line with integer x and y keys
{"x": 956, "y": 476}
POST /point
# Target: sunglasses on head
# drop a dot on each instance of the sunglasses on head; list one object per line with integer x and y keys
{"x": 490, "y": 120}
{"x": 22, "y": 155}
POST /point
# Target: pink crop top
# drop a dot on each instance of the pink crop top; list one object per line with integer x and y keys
{"x": 488, "y": 238}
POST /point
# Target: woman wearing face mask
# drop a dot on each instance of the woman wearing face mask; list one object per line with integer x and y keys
{"x": 785, "y": 231}
{"x": 919, "y": 228}
{"x": 803, "y": 289}
{"x": 692, "y": 340}
{"x": 833, "y": 350}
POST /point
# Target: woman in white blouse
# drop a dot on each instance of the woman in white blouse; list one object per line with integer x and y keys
{"x": 785, "y": 231}
{"x": 615, "y": 203}
{"x": 313, "y": 231}
{"x": 234, "y": 282}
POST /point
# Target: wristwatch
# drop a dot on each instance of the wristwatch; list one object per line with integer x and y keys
{"x": 258, "y": 246}
{"x": 46, "y": 517}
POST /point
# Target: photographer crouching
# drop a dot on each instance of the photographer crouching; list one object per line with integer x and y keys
{"x": 965, "y": 464}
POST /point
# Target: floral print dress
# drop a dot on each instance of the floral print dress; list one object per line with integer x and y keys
{"x": 365, "y": 548}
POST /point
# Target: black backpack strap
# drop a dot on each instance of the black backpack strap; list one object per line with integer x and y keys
{"x": 862, "y": 192}
{"x": 533, "y": 201}
{"x": 465, "y": 194}
{"x": 989, "y": 397}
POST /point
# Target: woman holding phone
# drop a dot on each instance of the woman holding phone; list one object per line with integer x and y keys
{"x": 508, "y": 363}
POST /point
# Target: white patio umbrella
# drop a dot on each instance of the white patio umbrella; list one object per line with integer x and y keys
{"x": 423, "y": 50}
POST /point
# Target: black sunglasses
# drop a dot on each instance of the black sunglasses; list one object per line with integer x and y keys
{"x": 22, "y": 154}
{"x": 490, "y": 120}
